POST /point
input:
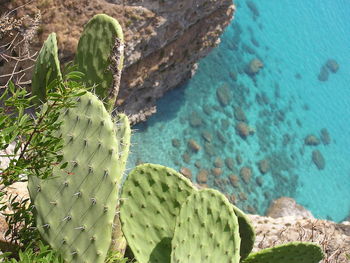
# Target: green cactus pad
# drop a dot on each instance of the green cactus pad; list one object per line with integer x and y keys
{"x": 246, "y": 233}
{"x": 152, "y": 196}
{"x": 294, "y": 252}
{"x": 100, "y": 56}
{"x": 76, "y": 207}
{"x": 47, "y": 68}
{"x": 206, "y": 230}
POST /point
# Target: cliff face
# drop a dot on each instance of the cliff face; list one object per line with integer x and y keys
{"x": 164, "y": 39}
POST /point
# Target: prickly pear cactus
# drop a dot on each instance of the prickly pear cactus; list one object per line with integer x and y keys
{"x": 47, "y": 68}
{"x": 246, "y": 233}
{"x": 76, "y": 207}
{"x": 206, "y": 230}
{"x": 100, "y": 56}
{"x": 152, "y": 196}
{"x": 294, "y": 252}
{"x": 123, "y": 132}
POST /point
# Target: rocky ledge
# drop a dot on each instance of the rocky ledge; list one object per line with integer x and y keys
{"x": 164, "y": 39}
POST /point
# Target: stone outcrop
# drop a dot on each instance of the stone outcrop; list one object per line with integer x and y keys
{"x": 164, "y": 39}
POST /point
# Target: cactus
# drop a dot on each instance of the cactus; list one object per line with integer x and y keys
{"x": 100, "y": 57}
{"x": 47, "y": 68}
{"x": 294, "y": 252}
{"x": 206, "y": 230}
{"x": 76, "y": 207}
{"x": 152, "y": 196}
{"x": 246, "y": 233}
{"x": 123, "y": 132}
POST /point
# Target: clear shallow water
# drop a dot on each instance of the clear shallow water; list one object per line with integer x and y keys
{"x": 283, "y": 104}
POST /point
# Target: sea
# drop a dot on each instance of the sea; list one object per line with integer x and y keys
{"x": 267, "y": 114}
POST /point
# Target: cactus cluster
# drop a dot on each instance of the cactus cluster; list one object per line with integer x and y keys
{"x": 99, "y": 56}
{"x": 165, "y": 219}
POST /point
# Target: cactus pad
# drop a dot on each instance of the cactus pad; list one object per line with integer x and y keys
{"x": 246, "y": 233}
{"x": 100, "y": 56}
{"x": 152, "y": 196}
{"x": 206, "y": 230}
{"x": 47, "y": 67}
{"x": 294, "y": 252}
{"x": 76, "y": 207}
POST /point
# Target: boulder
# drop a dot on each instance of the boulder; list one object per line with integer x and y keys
{"x": 176, "y": 143}
{"x": 325, "y": 137}
{"x": 332, "y": 65}
{"x": 195, "y": 119}
{"x": 186, "y": 172}
{"x": 239, "y": 114}
{"x": 245, "y": 173}
{"x": 318, "y": 159}
{"x": 216, "y": 171}
{"x": 286, "y": 206}
{"x": 242, "y": 130}
{"x": 229, "y": 162}
{"x": 223, "y": 94}
{"x": 311, "y": 140}
{"x": 324, "y": 73}
{"x": 193, "y": 145}
{"x": 218, "y": 163}
{"x": 234, "y": 180}
{"x": 264, "y": 166}
{"x": 254, "y": 67}
{"x": 202, "y": 176}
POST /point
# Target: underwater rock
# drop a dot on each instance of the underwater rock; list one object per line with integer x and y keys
{"x": 186, "y": 172}
{"x": 318, "y": 159}
{"x": 209, "y": 149}
{"x": 259, "y": 181}
{"x": 207, "y": 109}
{"x": 216, "y": 171}
{"x": 239, "y": 159}
{"x": 243, "y": 130}
{"x": 223, "y": 94}
{"x": 254, "y": 67}
{"x": 332, "y": 65}
{"x": 245, "y": 173}
{"x": 264, "y": 166}
{"x": 325, "y": 137}
{"x": 207, "y": 136}
{"x": 253, "y": 8}
{"x": 229, "y": 162}
{"x": 286, "y": 206}
{"x": 202, "y": 176}
{"x": 233, "y": 76}
{"x": 239, "y": 114}
{"x": 250, "y": 209}
{"x": 248, "y": 49}
{"x": 255, "y": 42}
{"x": 221, "y": 137}
{"x": 234, "y": 180}
{"x": 297, "y": 75}
{"x": 225, "y": 124}
{"x": 324, "y": 73}
{"x": 311, "y": 140}
{"x": 186, "y": 157}
{"x": 193, "y": 145}
{"x": 242, "y": 196}
{"x": 218, "y": 163}
{"x": 198, "y": 164}
{"x": 233, "y": 199}
{"x": 195, "y": 119}
{"x": 176, "y": 143}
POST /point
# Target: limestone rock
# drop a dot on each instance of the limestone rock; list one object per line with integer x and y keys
{"x": 286, "y": 206}
{"x": 318, "y": 159}
{"x": 245, "y": 173}
{"x": 311, "y": 140}
{"x": 193, "y": 145}
{"x": 202, "y": 177}
{"x": 224, "y": 94}
{"x": 186, "y": 172}
{"x": 254, "y": 67}
{"x": 332, "y": 65}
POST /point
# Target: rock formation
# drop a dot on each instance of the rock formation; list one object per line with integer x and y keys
{"x": 164, "y": 39}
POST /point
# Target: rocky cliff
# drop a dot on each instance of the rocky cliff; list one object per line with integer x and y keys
{"x": 164, "y": 39}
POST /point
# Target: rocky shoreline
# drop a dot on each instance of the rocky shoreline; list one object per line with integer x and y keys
{"x": 164, "y": 40}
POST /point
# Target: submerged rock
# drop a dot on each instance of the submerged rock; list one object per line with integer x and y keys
{"x": 207, "y": 136}
{"x": 245, "y": 173}
{"x": 332, "y": 65}
{"x": 202, "y": 177}
{"x": 254, "y": 67}
{"x": 239, "y": 114}
{"x": 218, "y": 163}
{"x": 264, "y": 166}
{"x": 229, "y": 162}
{"x": 253, "y": 8}
{"x": 242, "y": 130}
{"x": 224, "y": 94}
{"x": 186, "y": 172}
{"x": 195, "y": 119}
{"x": 193, "y": 145}
{"x": 216, "y": 171}
{"x": 176, "y": 143}
{"x": 311, "y": 140}
{"x": 318, "y": 159}
{"x": 234, "y": 180}
{"x": 325, "y": 137}
{"x": 324, "y": 73}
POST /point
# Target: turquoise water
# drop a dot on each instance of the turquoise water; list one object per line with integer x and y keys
{"x": 283, "y": 103}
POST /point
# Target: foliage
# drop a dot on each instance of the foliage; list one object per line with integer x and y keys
{"x": 36, "y": 147}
